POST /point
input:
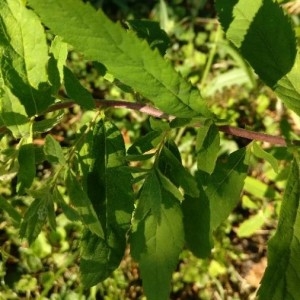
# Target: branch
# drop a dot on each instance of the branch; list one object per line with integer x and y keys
{"x": 154, "y": 112}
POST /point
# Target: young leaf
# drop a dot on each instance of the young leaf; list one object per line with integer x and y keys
{"x": 224, "y": 186}
{"x": 281, "y": 279}
{"x": 157, "y": 237}
{"x": 76, "y": 91}
{"x": 207, "y": 147}
{"x": 136, "y": 64}
{"x": 53, "y": 151}
{"x": 23, "y": 41}
{"x": 27, "y": 169}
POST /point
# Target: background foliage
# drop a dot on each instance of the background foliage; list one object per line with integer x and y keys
{"x": 196, "y": 47}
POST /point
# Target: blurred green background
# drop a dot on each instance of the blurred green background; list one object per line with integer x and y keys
{"x": 198, "y": 50}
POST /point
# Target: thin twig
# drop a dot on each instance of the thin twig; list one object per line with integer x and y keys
{"x": 154, "y": 112}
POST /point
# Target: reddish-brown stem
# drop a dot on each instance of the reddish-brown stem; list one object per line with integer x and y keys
{"x": 154, "y": 112}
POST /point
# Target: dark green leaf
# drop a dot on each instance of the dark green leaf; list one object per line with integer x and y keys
{"x": 196, "y": 220}
{"x": 35, "y": 217}
{"x": 83, "y": 205}
{"x": 224, "y": 186}
{"x": 47, "y": 124}
{"x": 207, "y": 147}
{"x": 145, "y": 143}
{"x": 125, "y": 56}
{"x": 76, "y": 91}
{"x": 152, "y": 33}
{"x": 27, "y": 169}
{"x": 281, "y": 279}
{"x": 53, "y": 150}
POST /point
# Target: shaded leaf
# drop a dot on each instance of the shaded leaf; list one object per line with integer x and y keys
{"x": 76, "y": 91}
{"x": 207, "y": 147}
{"x": 27, "y": 169}
{"x": 224, "y": 186}
{"x": 47, "y": 124}
{"x": 124, "y": 55}
{"x": 53, "y": 150}
{"x": 12, "y": 212}
{"x": 282, "y": 276}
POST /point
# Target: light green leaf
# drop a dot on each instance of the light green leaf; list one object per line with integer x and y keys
{"x": 58, "y": 56}
{"x": 282, "y": 276}
{"x": 76, "y": 91}
{"x": 251, "y": 225}
{"x": 24, "y": 65}
{"x": 207, "y": 147}
{"x": 27, "y": 169}
{"x": 82, "y": 203}
{"x": 261, "y": 153}
{"x": 157, "y": 239}
{"x": 13, "y": 114}
{"x": 224, "y": 186}
{"x": 53, "y": 151}
{"x": 124, "y": 55}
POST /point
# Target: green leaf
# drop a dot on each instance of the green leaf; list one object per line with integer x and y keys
{"x": 76, "y": 91}
{"x": 145, "y": 143}
{"x": 224, "y": 186}
{"x": 196, "y": 220}
{"x": 251, "y": 225}
{"x": 27, "y": 169}
{"x": 47, "y": 124}
{"x": 99, "y": 257}
{"x": 157, "y": 237}
{"x": 207, "y": 147}
{"x": 68, "y": 210}
{"x": 82, "y": 203}
{"x": 58, "y": 56}
{"x": 110, "y": 192}
{"x": 35, "y": 217}
{"x": 12, "y": 212}
{"x": 152, "y": 33}
{"x": 172, "y": 166}
{"x": 282, "y": 276}
{"x": 24, "y": 65}
{"x": 136, "y": 64}
{"x": 263, "y": 33}
{"x": 13, "y": 114}
{"x": 53, "y": 151}
{"x": 261, "y": 153}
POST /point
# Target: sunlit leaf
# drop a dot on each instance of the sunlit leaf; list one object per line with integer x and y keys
{"x": 124, "y": 55}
